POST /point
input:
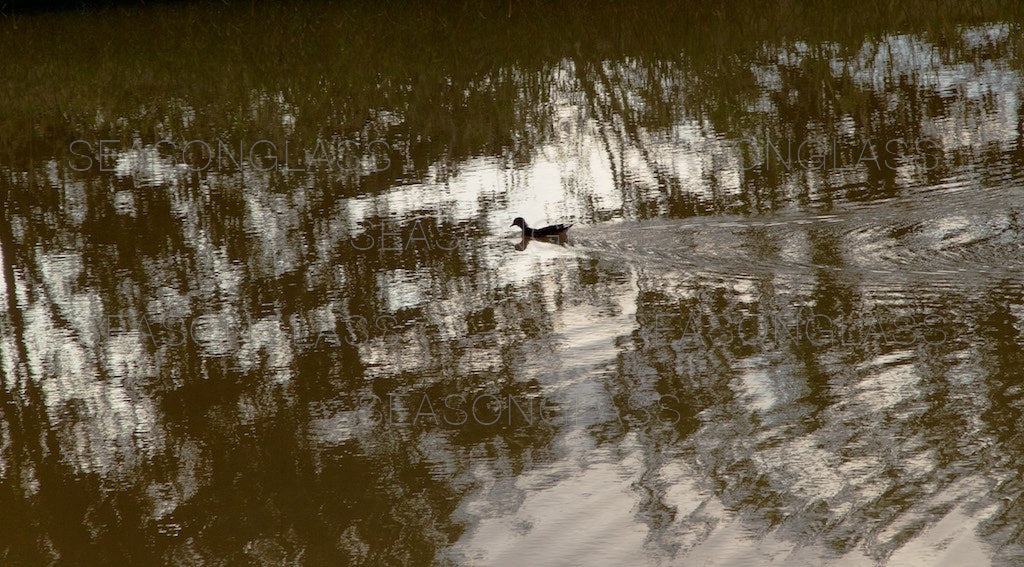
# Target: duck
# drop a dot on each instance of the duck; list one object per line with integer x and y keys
{"x": 553, "y": 231}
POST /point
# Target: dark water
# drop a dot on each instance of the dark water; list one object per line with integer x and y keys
{"x": 278, "y": 317}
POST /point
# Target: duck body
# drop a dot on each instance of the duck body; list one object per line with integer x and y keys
{"x": 545, "y": 232}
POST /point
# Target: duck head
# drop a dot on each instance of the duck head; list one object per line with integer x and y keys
{"x": 519, "y": 222}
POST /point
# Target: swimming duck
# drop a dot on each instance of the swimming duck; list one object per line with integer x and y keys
{"x": 555, "y": 230}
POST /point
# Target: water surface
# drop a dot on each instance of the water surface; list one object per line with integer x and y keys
{"x": 280, "y": 316}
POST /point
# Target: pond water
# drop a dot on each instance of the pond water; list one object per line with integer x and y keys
{"x": 263, "y": 303}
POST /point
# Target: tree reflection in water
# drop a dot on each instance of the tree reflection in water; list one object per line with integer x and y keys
{"x": 187, "y": 355}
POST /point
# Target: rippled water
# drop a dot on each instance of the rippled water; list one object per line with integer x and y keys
{"x": 787, "y": 326}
